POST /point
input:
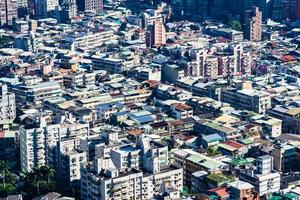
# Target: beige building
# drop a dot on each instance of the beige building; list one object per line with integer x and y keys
{"x": 156, "y": 36}
{"x": 253, "y": 21}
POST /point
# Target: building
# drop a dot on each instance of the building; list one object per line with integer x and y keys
{"x": 40, "y": 135}
{"x": 189, "y": 8}
{"x": 271, "y": 126}
{"x": 69, "y": 11}
{"x": 90, "y": 5}
{"x": 35, "y": 92}
{"x": 86, "y": 40}
{"x": 69, "y": 168}
{"x": 43, "y": 8}
{"x": 130, "y": 184}
{"x": 253, "y": 21}
{"x": 8, "y": 11}
{"x": 242, "y": 190}
{"x": 284, "y": 157}
{"x": 7, "y": 106}
{"x": 289, "y": 116}
{"x": 264, "y": 179}
{"x": 156, "y": 35}
{"x": 247, "y": 98}
{"x": 298, "y": 9}
{"x": 171, "y": 73}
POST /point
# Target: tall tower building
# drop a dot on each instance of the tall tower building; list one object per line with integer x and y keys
{"x": 7, "y": 105}
{"x": 156, "y": 35}
{"x": 90, "y": 5}
{"x": 298, "y": 9}
{"x": 69, "y": 10}
{"x": 43, "y": 7}
{"x": 253, "y": 21}
{"x": 8, "y": 11}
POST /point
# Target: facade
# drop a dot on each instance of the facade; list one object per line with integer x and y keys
{"x": 86, "y": 40}
{"x": 8, "y": 105}
{"x": 248, "y": 99}
{"x": 131, "y": 184}
{"x": 253, "y": 21}
{"x": 284, "y": 157}
{"x": 69, "y": 11}
{"x": 8, "y": 11}
{"x": 37, "y": 92}
{"x": 43, "y": 8}
{"x": 289, "y": 116}
{"x": 156, "y": 35}
{"x": 90, "y": 5}
{"x": 264, "y": 179}
{"x": 38, "y": 140}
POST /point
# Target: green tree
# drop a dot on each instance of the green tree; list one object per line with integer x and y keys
{"x": 235, "y": 25}
{"x": 47, "y": 173}
{"x": 212, "y": 151}
{"x": 7, "y": 189}
{"x": 38, "y": 181}
{"x": 8, "y": 180}
{"x": 4, "y": 172}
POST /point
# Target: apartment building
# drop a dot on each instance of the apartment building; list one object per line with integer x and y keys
{"x": 130, "y": 184}
{"x": 116, "y": 63}
{"x": 90, "y": 5}
{"x": 43, "y": 8}
{"x": 253, "y": 21}
{"x": 264, "y": 179}
{"x": 8, "y": 11}
{"x": 40, "y": 134}
{"x": 86, "y": 40}
{"x": 247, "y": 98}
{"x": 156, "y": 36}
{"x": 35, "y": 92}
{"x": 7, "y": 105}
{"x": 290, "y": 116}
{"x": 284, "y": 157}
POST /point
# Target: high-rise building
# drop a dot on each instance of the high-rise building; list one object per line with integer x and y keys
{"x": 156, "y": 35}
{"x": 253, "y": 20}
{"x": 90, "y": 5}
{"x": 69, "y": 10}
{"x": 261, "y": 4}
{"x": 8, "y": 11}
{"x": 298, "y": 9}
{"x": 40, "y": 135}
{"x": 44, "y": 7}
{"x": 191, "y": 8}
{"x": 7, "y": 106}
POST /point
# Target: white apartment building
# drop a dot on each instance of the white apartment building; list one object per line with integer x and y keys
{"x": 131, "y": 184}
{"x": 70, "y": 167}
{"x": 263, "y": 178}
{"x": 247, "y": 98}
{"x": 86, "y": 40}
{"x": 36, "y": 92}
{"x": 39, "y": 137}
{"x": 7, "y": 105}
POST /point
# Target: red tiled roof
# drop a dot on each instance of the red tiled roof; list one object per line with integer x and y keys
{"x": 287, "y": 58}
{"x": 182, "y": 107}
{"x": 234, "y": 144}
{"x": 220, "y": 192}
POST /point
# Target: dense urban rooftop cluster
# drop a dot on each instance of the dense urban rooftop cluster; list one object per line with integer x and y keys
{"x": 147, "y": 100}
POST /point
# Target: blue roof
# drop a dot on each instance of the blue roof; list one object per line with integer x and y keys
{"x": 106, "y": 106}
{"x": 128, "y": 148}
{"x": 121, "y": 113}
{"x": 212, "y": 137}
{"x": 144, "y": 119}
